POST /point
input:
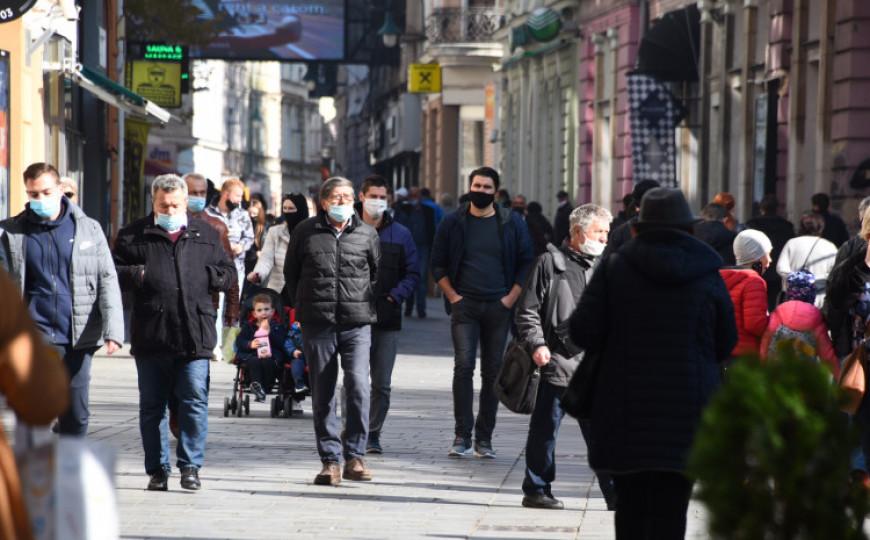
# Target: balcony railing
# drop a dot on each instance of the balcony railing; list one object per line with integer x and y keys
{"x": 462, "y": 25}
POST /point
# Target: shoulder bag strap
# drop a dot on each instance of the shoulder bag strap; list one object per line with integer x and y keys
{"x": 807, "y": 259}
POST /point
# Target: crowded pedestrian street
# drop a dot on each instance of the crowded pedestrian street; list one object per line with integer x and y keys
{"x": 257, "y": 478}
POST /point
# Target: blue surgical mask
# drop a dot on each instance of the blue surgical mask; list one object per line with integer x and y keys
{"x": 46, "y": 207}
{"x": 196, "y": 204}
{"x": 171, "y": 223}
{"x": 340, "y": 213}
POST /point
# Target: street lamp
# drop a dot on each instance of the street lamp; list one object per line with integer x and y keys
{"x": 390, "y": 31}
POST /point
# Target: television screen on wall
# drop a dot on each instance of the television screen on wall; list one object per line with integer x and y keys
{"x": 274, "y": 29}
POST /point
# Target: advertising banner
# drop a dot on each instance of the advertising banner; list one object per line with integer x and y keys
{"x": 274, "y": 29}
{"x": 159, "y": 82}
{"x": 4, "y": 134}
{"x": 654, "y": 114}
{"x": 424, "y": 78}
{"x": 135, "y": 148}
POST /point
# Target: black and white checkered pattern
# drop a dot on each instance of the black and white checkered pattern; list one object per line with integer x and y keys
{"x": 654, "y": 114}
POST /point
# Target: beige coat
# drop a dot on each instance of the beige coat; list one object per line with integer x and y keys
{"x": 36, "y": 386}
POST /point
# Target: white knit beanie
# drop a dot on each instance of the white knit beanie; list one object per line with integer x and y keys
{"x": 750, "y": 246}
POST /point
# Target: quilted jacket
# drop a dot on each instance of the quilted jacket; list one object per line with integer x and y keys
{"x": 748, "y": 292}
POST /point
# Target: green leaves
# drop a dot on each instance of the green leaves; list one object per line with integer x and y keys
{"x": 772, "y": 454}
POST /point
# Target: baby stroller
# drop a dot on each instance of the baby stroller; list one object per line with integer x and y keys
{"x": 239, "y": 402}
{"x": 288, "y": 401}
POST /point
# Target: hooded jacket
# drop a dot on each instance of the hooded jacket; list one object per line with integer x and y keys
{"x": 748, "y": 292}
{"x": 803, "y": 317}
{"x": 97, "y": 313}
{"x": 658, "y": 315}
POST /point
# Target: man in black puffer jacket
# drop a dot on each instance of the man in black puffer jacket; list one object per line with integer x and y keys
{"x": 659, "y": 316}
{"x": 330, "y": 274}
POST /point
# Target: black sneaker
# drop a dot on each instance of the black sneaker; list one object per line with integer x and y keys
{"x": 159, "y": 481}
{"x": 259, "y": 393}
{"x": 373, "y": 446}
{"x": 483, "y": 449}
{"x": 190, "y": 478}
{"x": 542, "y": 500}
{"x": 461, "y": 447}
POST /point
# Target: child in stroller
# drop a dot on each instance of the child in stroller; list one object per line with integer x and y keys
{"x": 260, "y": 345}
{"x": 293, "y": 347}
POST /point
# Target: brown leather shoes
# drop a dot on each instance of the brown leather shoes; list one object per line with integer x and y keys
{"x": 330, "y": 475}
{"x": 356, "y": 469}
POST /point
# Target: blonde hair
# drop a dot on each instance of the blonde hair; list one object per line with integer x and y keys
{"x": 232, "y": 182}
{"x": 865, "y": 225}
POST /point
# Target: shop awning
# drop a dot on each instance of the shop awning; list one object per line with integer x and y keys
{"x": 669, "y": 51}
{"x": 117, "y": 95}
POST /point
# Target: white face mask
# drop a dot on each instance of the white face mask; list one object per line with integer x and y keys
{"x": 375, "y": 207}
{"x": 593, "y": 247}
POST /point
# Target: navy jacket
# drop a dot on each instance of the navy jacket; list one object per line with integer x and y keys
{"x": 517, "y": 254}
{"x": 659, "y": 318}
{"x": 47, "y": 287}
{"x": 398, "y": 272}
{"x": 277, "y": 336}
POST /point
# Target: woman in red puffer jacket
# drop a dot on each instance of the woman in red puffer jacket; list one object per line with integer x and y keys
{"x": 748, "y": 289}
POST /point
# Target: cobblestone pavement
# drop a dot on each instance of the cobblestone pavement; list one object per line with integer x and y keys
{"x": 257, "y": 480}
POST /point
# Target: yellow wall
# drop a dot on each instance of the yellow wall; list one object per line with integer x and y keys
{"x": 27, "y": 128}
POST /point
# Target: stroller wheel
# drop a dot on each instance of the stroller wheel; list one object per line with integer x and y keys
{"x": 274, "y": 409}
{"x": 240, "y": 408}
{"x": 288, "y": 407}
{"x": 247, "y": 404}
{"x": 234, "y": 403}
{"x": 226, "y": 407}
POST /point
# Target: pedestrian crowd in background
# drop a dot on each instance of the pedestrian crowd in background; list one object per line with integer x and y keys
{"x": 654, "y": 302}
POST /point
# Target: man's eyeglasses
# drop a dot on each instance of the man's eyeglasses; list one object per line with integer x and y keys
{"x": 341, "y": 199}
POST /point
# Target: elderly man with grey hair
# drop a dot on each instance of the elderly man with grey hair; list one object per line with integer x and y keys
{"x": 553, "y": 288}
{"x": 172, "y": 264}
{"x": 330, "y": 272}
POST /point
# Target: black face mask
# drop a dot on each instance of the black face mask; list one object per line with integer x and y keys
{"x": 232, "y": 205}
{"x": 292, "y": 219}
{"x": 480, "y": 199}
{"x": 519, "y": 210}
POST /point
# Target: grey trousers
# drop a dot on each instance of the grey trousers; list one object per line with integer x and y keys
{"x": 325, "y": 346}
{"x": 383, "y": 358}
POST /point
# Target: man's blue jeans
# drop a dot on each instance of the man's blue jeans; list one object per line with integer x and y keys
{"x": 324, "y": 345}
{"x": 486, "y": 322}
{"x": 188, "y": 381}
{"x": 383, "y": 358}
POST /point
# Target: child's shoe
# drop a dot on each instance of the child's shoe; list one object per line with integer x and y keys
{"x": 259, "y": 393}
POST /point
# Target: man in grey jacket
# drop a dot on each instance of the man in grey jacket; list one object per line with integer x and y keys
{"x": 60, "y": 259}
{"x": 552, "y": 290}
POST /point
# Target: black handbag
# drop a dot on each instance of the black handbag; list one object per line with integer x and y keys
{"x": 517, "y": 383}
{"x": 578, "y": 396}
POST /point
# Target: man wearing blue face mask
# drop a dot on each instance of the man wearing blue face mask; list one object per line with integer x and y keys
{"x": 172, "y": 265}
{"x": 330, "y": 273}
{"x": 61, "y": 261}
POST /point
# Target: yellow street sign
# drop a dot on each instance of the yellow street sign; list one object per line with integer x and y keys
{"x": 159, "y": 82}
{"x": 424, "y": 78}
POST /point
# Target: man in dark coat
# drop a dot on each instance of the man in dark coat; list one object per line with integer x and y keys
{"x": 622, "y": 234}
{"x": 659, "y": 316}
{"x": 422, "y": 220}
{"x": 835, "y": 228}
{"x": 540, "y": 229}
{"x": 560, "y": 222}
{"x": 553, "y": 288}
{"x": 398, "y": 276}
{"x": 780, "y": 231}
{"x": 172, "y": 265}
{"x": 480, "y": 259}
{"x": 713, "y": 232}
{"x": 330, "y": 273}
